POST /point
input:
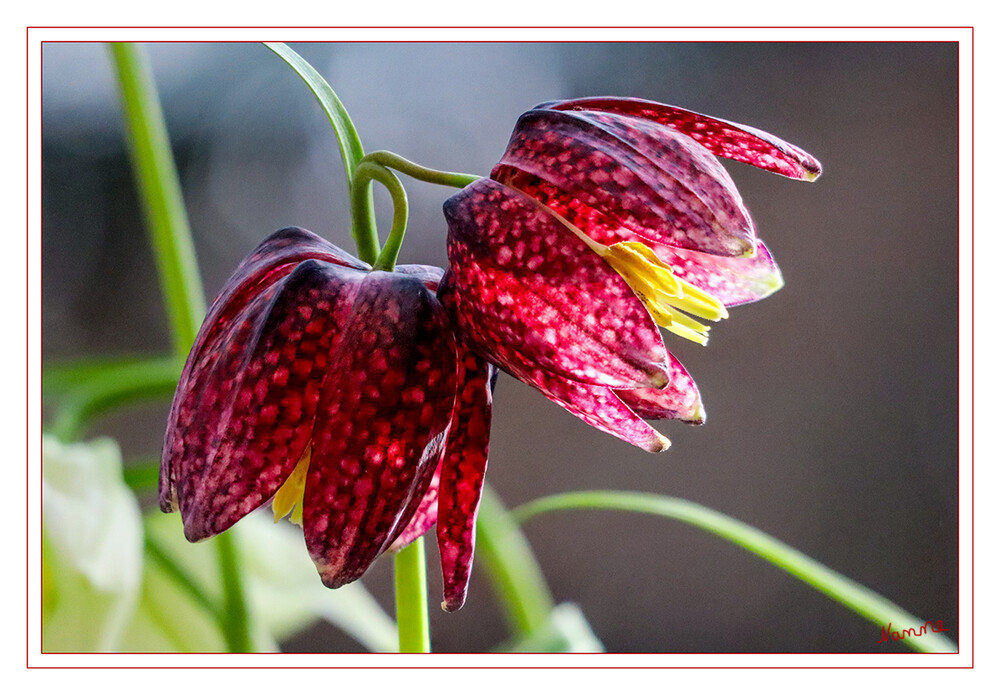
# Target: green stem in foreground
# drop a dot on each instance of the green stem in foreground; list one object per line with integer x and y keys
{"x": 514, "y": 571}
{"x": 410, "y": 567}
{"x": 849, "y": 593}
{"x": 421, "y": 173}
{"x": 160, "y": 193}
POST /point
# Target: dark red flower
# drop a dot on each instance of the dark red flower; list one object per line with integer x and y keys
{"x": 604, "y": 218}
{"x": 340, "y": 395}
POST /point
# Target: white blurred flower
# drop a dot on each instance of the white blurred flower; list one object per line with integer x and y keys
{"x": 92, "y": 546}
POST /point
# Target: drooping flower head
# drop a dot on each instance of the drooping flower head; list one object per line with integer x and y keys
{"x": 604, "y": 218}
{"x": 338, "y": 394}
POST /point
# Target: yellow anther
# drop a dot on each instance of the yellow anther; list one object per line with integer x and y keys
{"x": 662, "y": 292}
{"x": 288, "y": 498}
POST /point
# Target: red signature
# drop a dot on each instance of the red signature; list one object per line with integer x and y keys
{"x": 889, "y": 634}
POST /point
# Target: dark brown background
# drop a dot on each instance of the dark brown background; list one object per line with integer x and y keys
{"x": 832, "y": 406}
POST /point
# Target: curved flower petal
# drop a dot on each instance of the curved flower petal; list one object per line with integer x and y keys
{"x": 648, "y": 178}
{"x": 244, "y": 411}
{"x": 733, "y": 281}
{"x": 273, "y": 258}
{"x": 598, "y": 406}
{"x": 536, "y": 296}
{"x": 463, "y": 471}
{"x": 381, "y": 425}
{"x": 679, "y": 400}
{"x": 222, "y": 330}
{"x": 723, "y": 138}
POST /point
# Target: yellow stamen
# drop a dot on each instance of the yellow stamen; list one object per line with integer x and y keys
{"x": 288, "y": 498}
{"x": 662, "y": 292}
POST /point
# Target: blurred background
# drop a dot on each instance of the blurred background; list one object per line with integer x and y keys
{"x": 832, "y": 406}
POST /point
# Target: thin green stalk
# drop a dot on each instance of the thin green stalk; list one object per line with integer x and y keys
{"x": 410, "y": 567}
{"x": 235, "y": 617}
{"x": 351, "y": 151}
{"x": 847, "y": 592}
{"x": 513, "y": 569}
{"x": 361, "y": 189}
{"x": 160, "y": 193}
{"x": 421, "y": 173}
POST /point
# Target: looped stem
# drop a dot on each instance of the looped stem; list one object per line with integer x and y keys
{"x": 364, "y": 174}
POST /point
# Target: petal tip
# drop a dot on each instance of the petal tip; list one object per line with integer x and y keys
{"x": 660, "y": 443}
{"x": 697, "y": 416}
{"x": 455, "y": 603}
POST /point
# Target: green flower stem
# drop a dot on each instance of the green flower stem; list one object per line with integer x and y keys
{"x": 421, "y": 173}
{"x": 235, "y": 617}
{"x": 361, "y": 186}
{"x": 847, "y": 592}
{"x": 362, "y": 225}
{"x": 410, "y": 568}
{"x": 160, "y": 191}
{"x": 513, "y": 569}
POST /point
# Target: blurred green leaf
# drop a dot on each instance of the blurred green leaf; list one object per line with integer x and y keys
{"x": 83, "y": 390}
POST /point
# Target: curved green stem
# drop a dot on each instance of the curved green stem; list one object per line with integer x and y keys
{"x": 160, "y": 193}
{"x": 421, "y": 173}
{"x": 513, "y": 569}
{"x": 362, "y": 226}
{"x": 847, "y": 592}
{"x": 365, "y": 173}
{"x": 410, "y": 569}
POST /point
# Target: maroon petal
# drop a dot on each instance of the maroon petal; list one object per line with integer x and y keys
{"x": 381, "y": 425}
{"x": 462, "y": 473}
{"x": 723, "y": 138}
{"x": 535, "y": 296}
{"x": 646, "y": 177}
{"x": 244, "y": 411}
{"x": 273, "y": 258}
{"x": 679, "y": 400}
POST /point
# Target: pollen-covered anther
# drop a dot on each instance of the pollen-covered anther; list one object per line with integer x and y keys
{"x": 664, "y": 294}
{"x": 288, "y": 499}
